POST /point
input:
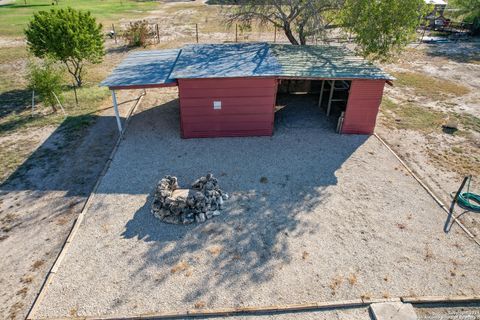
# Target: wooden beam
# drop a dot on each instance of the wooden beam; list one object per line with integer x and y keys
{"x": 117, "y": 114}
{"x": 332, "y": 88}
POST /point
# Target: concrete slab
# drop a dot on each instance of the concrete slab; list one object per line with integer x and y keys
{"x": 393, "y": 311}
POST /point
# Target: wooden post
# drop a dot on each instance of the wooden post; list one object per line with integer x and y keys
{"x": 330, "y": 98}
{"x": 196, "y": 31}
{"x": 114, "y": 33}
{"x": 158, "y": 33}
{"x": 117, "y": 114}
{"x": 75, "y": 92}
{"x": 236, "y": 32}
{"x": 321, "y": 94}
{"x": 275, "y": 34}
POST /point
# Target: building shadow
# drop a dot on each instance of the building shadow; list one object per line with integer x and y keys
{"x": 275, "y": 183}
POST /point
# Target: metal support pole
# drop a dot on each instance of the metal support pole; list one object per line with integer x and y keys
{"x": 117, "y": 114}
{"x": 330, "y": 98}
{"x": 321, "y": 94}
{"x": 236, "y": 32}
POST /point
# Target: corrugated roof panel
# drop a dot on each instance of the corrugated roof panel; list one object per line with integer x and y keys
{"x": 323, "y": 62}
{"x": 225, "y": 61}
{"x": 144, "y": 68}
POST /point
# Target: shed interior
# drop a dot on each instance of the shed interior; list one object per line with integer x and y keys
{"x": 305, "y": 96}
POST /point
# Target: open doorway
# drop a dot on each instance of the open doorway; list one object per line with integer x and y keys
{"x": 311, "y": 103}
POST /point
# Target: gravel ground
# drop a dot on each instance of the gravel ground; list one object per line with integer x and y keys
{"x": 336, "y": 218}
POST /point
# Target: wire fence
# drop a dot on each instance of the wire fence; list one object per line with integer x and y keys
{"x": 160, "y": 33}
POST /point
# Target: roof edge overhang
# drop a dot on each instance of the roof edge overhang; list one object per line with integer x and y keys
{"x": 144, "y": 86}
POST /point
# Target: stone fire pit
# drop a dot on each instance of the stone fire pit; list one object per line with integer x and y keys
{"x": 204, "y": 200}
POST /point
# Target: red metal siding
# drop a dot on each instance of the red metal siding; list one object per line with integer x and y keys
{"x": 247, "y": 107}
{"x": 362, "y": 107}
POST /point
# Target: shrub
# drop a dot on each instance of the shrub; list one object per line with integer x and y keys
{"x": 137, "y": 34}
{"x": 45, "y": 79}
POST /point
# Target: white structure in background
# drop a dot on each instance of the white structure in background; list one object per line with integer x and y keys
{"x": 436, "y": 17}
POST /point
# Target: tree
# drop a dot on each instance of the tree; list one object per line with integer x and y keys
{"x": 46, "y": 80}
{"x": 382, "y": 26}
{"x": 469, "y": 10}
{"x": 379, "y": 26}
{"x": 299, "y": 19}
{"x": 67, "y": 35}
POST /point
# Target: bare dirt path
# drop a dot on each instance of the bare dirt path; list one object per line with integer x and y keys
{"x": 41, "y": 200}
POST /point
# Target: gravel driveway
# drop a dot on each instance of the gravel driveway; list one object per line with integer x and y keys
{"x": 313, "y": 216}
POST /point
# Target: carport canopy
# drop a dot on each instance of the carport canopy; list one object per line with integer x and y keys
{"x": 162, "y": 68}
{"x": 141, "y": 70}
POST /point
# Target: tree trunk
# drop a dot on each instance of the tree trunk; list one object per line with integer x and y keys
{"x": 75, "y": 70}
{"x": 301, "y": 35}
{"x": 289, "y": 34}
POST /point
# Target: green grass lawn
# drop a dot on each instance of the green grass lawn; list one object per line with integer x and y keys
{"x": 15, "y": 16}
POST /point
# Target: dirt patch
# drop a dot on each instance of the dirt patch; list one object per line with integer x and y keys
{"x": 437, "y": 84}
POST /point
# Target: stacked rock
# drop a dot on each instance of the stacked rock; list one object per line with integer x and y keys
{"x": 202, "y": 201}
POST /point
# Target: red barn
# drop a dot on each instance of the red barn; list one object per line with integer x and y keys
{"x": 232, "y": 89}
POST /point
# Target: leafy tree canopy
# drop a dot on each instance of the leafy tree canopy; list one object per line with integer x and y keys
{"x": 67, "y": 35}
{"x": 379, "y": 26}
{"x": 382, "y": 26}
{"x": 469, "y": 10}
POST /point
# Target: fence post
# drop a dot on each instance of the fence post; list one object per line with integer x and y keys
{"x": 236, "y": 32}
{"x": 196, "y": 31}
{"x": 158, "y": 33}
{"x": 275, "y": 34}
{"x": 75, "y": 92}
{"x": 114, "y": 33}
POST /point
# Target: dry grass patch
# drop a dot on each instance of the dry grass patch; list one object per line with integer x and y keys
{"x": 179, "y": 267}
{"x": 352, "y": 279}
{"x": 215, "y": 250}
{"x": 305, "y": 255}
{"x": 410, "y": 116}
{"x": 37, "y": 264}
{"x": 335, "y": 284}
{"x": 431, "y": 87}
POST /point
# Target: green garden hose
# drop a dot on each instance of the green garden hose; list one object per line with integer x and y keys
{"x": 465, "y": 200}
{"x": 469, "y": 200}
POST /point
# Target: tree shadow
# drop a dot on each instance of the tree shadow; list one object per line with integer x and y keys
{"x": 17, "y": 6}
{"x": 14, "y": 101}
{"x": 249, "y": 242}
{"x": 458, "y": 51}
{"x": 68, "y": 160}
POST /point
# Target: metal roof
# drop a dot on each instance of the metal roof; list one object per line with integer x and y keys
{"x": 241, "y": 60}
{"x": 143, "y": 68}
{"x": 325, "y": 62}
{"x": 225, "y": 61}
